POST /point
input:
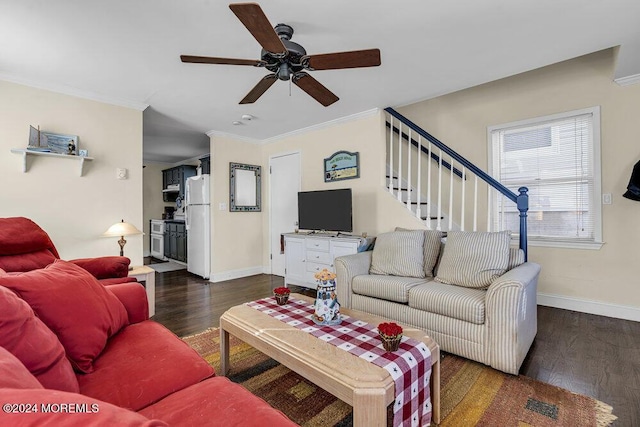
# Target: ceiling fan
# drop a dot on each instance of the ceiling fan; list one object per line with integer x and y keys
{"x": 285, "y": 59}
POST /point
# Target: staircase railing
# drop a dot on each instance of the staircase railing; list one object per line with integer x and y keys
{"x": 401, "y": 158}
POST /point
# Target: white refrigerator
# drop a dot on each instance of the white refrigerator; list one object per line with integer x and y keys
{"x": 198, "y": 224}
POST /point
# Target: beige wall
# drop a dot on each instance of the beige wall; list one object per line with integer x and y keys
{"x": 461, "y": 119}
{"x": 74, "y": 210}
{"x": 240, "y": 241}
{"x": 236, "y": 237}
{"x": 374, "y": 211}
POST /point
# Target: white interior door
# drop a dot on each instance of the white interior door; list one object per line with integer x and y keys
{"x": 284, "y": 184}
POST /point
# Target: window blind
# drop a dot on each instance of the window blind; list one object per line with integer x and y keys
{"x": 554, "y": 159}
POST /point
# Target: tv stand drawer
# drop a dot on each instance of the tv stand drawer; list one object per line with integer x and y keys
{"x": 317, "y": 256}
{"x": 317, "y": 244}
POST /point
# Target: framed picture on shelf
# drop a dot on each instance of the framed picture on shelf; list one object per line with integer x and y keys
{"x": 61, "y": 144}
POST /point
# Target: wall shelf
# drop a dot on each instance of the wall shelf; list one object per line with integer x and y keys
{"x": 25, "y": 153}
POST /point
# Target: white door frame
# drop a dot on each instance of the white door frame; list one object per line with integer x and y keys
{"x": 271, "y": 232}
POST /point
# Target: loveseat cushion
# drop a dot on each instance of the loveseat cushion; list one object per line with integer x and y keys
{"x": 13, "y": 373}
{"x": 36, "y": 346}
{"x": 474, "y": 259}
{"x": 74, "y": 305}
{"x": 453, "y": 301}
{"x": 142, "y": 364}
{"x": 226, "y": 404}
{"x": 399, "y": 253}
{"x": 390, "y": 288}
{"x": 57, "y": 408}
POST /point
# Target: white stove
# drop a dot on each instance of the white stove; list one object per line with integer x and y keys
{"x": 157, "y": 239}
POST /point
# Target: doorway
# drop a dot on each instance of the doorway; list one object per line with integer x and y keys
{"x": 284, "y": 185}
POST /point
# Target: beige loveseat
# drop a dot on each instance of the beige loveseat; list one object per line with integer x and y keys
{"x": 473, "y": 294}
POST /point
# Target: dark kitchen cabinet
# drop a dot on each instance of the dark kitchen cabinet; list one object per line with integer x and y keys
{"x": 175, "y": 241}
{"x": 177, "y": 175}
{"x": 205, "y": 164}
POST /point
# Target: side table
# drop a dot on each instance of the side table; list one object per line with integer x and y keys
{"x": 146, "y": 274}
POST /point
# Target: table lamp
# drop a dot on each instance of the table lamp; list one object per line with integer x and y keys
{"x": 122, "y": 229}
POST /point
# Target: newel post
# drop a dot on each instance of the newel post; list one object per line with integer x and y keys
{"x": 523, "y": 206}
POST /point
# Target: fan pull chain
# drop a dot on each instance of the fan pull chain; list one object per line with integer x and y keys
{"x": 289, "y": 88}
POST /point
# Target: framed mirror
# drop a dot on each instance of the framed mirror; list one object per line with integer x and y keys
{"x": 244, "y": 188}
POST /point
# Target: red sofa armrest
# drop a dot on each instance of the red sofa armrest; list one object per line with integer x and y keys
{"x": 134, "y": 298}
{"x": 105, "y": 267}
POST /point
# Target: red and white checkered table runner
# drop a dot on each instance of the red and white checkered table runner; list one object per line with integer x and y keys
{"x": 410, "y": 366}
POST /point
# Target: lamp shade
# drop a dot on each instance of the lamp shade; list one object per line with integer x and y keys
{"x": 122, "y": 229}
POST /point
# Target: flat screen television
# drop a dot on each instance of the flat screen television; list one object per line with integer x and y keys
{"x": 327, "y": 210}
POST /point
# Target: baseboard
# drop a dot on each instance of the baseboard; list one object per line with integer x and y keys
{"x": 235, "y": 274}
{"x": 589, "y": 306}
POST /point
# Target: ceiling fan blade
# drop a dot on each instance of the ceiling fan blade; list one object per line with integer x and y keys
{"x": 314, "y": 88}
{"x": 227, "y": 61}
{"x": 259, "y": 89}
{"x": 339, "y": 60}
{"x": 252, "y": 17}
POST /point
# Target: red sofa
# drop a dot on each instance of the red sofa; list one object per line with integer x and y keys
{"x": 24, "y": 246}
{"x": 75, "y": 352}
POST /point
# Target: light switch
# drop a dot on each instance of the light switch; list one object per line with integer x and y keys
{"x": 121, "y": 173}
{"x": 606, "y": 199}
{"x": 222, "y": 206}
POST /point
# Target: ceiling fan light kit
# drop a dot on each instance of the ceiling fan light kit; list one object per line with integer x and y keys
{"x": 285, "y": 59}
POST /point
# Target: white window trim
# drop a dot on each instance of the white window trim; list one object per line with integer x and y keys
{"x": 597, "y": 177}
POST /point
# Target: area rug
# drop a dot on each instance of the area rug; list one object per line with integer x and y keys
{"x": 164, "y": 267}
{"x": 472, "y": 394}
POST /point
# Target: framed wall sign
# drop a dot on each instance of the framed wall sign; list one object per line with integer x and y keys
{"x": 341, "y": 165}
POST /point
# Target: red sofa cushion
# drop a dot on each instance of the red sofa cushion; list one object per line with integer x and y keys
{"x": 105, "y": 267}
{"x": 27, "y": 338}
{"x": 27, "y": 262}
{"x": 67, "y": 409}
{"x": 20, "y": 235}
{"x": 117, "y": 280}
{"x": 13, "y": 373}
{"x": 227, "y": 403}
{"x": 154, "y": 362}
{"x": 74, "y": 305}
{"x": 134, "y": 298}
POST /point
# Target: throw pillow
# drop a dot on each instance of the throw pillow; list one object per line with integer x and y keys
{"x": 516, "y": 257}
{"x": 432, "y": 244}
{"x": 399, "y": 253}
{"x": 74, "y": 305}
{"x": 474, "y": 259}
{"x": 21, "y": 332}
{"x": 13, "y": 374}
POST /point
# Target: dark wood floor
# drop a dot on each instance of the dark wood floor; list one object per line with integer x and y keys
{"x": 592, "y": 355}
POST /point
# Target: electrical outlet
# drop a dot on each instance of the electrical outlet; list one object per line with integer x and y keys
{"x": 222, "y": 206}
{"x": 606, "y": 199}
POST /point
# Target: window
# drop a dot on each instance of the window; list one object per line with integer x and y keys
{"x": 558, "y": 159}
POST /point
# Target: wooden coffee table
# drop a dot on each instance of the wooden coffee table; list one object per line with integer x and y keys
{"x": 368, "y": 388}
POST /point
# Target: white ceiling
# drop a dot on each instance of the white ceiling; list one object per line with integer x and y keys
{"x": 127, "y": 52}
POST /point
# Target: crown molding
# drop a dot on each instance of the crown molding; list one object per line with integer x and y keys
{"x": 78, "y": 93}
{"x": 307, "y": 129}
{"x": 323, "y": 125}
{"x": 628, "y": 80}
{"x": 233, "y": 136}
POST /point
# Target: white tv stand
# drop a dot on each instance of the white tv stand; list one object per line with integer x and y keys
{"x": 307, "y": 254}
